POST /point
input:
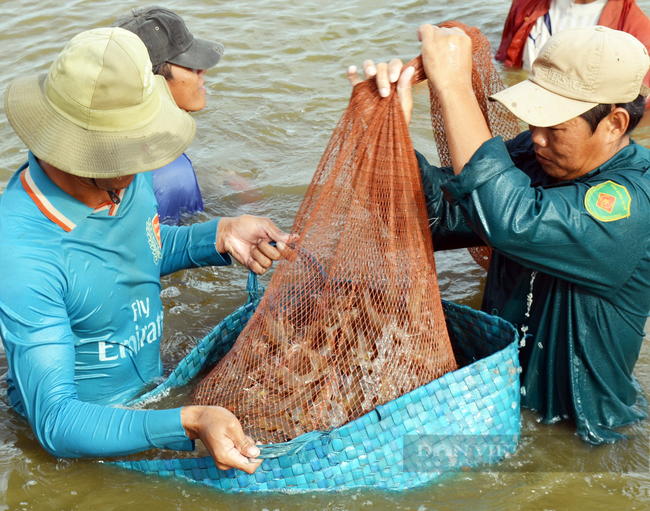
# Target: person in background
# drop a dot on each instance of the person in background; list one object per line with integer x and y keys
{"x": 531, "y": 23}
{"x": 82, "y": 252}
{"x": 564, "y": 206}
{"x": 182, "y": 60}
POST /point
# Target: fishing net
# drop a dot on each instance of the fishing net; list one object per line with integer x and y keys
{"x": 485, "y": 82}
{"x": 352, "y": 317}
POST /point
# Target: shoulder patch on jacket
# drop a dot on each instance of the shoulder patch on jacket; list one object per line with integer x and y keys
{"x": 608, "y": 201}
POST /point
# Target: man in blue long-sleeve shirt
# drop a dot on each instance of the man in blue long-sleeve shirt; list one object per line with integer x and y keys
{"x": 82, "y": 252}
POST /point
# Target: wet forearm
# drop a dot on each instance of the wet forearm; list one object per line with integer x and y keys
{"x": 465, "y": 125}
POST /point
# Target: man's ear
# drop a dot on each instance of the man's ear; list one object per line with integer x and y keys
{"x": 617, "y": 122}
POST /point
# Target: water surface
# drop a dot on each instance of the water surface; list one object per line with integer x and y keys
{"x": 273, "y": 102}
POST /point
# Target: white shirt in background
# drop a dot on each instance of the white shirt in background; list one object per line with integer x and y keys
{"x": 562, "y": 14}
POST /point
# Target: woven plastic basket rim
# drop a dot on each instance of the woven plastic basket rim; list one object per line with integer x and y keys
{"x": 202, "y": 354}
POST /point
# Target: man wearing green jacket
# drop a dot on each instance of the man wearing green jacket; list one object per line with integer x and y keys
{"x": 565, "y": 207}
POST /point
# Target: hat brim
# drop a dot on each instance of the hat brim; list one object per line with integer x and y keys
{"x": 96, "y": 154}
{"x": 201, "y": 54}
{"x": 538, "y": 106}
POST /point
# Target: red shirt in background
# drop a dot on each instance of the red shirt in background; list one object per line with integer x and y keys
{"x": 622, "y": 15}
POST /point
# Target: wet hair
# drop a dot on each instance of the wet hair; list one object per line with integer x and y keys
{"x": 635, "y": 108}
{"x": 164, "y": 69}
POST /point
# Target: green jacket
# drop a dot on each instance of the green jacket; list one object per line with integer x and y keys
{"x": 582, "y": 248}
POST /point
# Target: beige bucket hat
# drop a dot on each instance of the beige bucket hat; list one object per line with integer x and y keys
{"x": 576, "y": 70}
{"x": 100, "y": 112}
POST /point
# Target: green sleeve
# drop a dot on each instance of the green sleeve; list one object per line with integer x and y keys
{"x": 550, "y": 228}
{"x": 449, "y": 228}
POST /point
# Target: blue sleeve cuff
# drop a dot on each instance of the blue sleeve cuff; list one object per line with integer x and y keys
{"x": 490, "y": 160}
{"x": 225, "y": 257}
{"x": 164, "y": 430}
{"x": 207, "y": 251}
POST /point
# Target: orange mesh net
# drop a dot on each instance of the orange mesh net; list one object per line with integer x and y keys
{"x": 352, "y": 317}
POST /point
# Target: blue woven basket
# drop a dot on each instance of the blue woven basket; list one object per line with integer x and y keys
{"x": 465, "y": 418}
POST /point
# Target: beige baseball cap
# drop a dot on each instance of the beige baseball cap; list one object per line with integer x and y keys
{"x": 576, "y": 70}
{"x": 99, "y": 112}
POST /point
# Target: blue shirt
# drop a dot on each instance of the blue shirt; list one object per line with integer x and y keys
{"x": 177, "y": 190}
{"x": 80, "y": 312}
